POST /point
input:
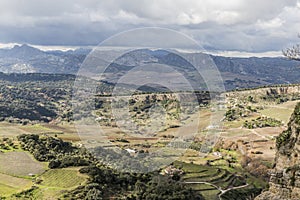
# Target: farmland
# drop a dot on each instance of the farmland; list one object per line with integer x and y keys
{"x": 20, "y": 164}
{"x": 236, "y": 163}
{"x": 11, "y": 185}
{"x": 16, "y": 171}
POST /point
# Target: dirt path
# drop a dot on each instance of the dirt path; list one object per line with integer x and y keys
{"x": 260, "y": 135}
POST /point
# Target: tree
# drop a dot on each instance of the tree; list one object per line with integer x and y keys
{"x": 93, "y": 194}
{"x": 293, "y": 52}
{"x": 162, "y": 187}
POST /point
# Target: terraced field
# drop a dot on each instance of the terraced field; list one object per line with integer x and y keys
{"x": 211, "y": 181}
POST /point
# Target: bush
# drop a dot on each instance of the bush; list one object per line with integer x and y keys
{"x": 261, "y": 122}
{"x": 283, "y": 138}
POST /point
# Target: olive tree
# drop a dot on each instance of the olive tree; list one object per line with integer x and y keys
{"x": 293, "y": 52}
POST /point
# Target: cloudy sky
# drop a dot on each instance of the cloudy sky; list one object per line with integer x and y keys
{"x": 231, "y": 25}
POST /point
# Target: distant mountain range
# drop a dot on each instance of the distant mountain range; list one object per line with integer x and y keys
{"x": 27, "y": 59}
{"x": 236, "y": 72}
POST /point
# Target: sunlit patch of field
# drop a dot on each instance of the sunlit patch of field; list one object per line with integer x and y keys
{"x": 64, "y": 131}
{"x": 20, "y": 164}
{"x": 233, "y": 124}
{"x": 281, "y": 111}
{"x": 195, "y": 157}
{"x": 270, "y": 132}
{"x": 10, "y": 184}
{"x": 67, "y": 128}
{"x": 10, "y": 130}
{"x": 195, "y": 160}
{"x": 69, "y": 137}
{"x": 236, "y": 132}
{"x": 210, "y": 194}
{"x": 38, "y": 129}
{"x": 239, "y": 122}
{"x": 6, "y": 189}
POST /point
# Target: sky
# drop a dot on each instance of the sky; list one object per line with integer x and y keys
{"x": 252, "y": 26}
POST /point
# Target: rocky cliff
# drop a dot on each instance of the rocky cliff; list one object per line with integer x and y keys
{"x": 285, "y": 176}
{"x": 272, "y": 90}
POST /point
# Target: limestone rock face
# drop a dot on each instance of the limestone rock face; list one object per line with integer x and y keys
{"x": 285, "y": 176}
{"x": 292, "y": 89}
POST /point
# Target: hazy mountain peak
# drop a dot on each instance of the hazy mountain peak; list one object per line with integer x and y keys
{"x": 24, "y": 51}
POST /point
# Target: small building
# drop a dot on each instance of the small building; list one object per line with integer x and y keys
{"x": 131, "y": 151}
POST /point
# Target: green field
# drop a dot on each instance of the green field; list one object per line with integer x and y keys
{"x": 55, "y": 182}
{"x": 62, "y": 178}
{"x": 12, "y": 130}
{"x": 18, "y": 169}
{"x": 39, "y": 129}
{"x": 52, "y": 184}
{"x": 10, "y": 184}
{"x": 281, "y": 111}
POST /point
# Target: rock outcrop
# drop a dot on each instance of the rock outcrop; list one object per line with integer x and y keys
{"x": 285, "y": 176}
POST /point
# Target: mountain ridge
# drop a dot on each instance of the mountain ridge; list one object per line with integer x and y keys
{"x": 236, "y": 72}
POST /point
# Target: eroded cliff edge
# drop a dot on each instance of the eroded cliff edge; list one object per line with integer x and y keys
{"x": 285, "y": 176}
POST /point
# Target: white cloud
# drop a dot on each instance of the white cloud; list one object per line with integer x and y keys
{"x": 273, "y": 23}
{"x": 232, "y": 24}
